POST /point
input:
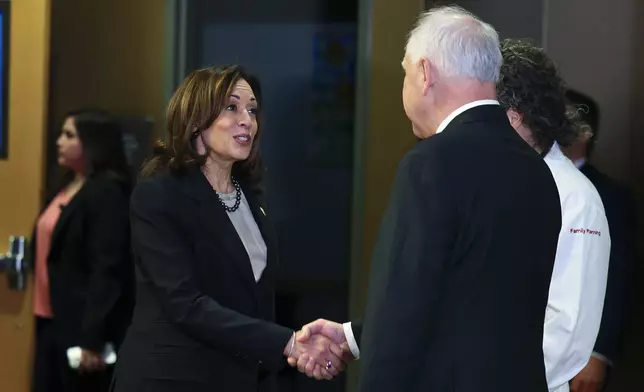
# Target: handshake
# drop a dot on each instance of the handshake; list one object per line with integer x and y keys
{"x": 319, "y": 350}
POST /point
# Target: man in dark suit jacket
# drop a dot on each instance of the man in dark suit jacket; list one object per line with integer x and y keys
{"x": 461, "y": 270}
{"x": 620, "y": 213}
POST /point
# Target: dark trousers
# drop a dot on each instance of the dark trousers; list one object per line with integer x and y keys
{"x": 51, "y": 371}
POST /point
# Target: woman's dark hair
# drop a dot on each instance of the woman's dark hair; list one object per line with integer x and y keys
{"x": 103, "y": 150}
{"x": 102, "y": 139}
{"x": 193, "y": 108}
{"x": 530, "y": 84}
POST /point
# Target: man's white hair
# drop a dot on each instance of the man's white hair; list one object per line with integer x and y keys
{"x": 457, "y": 43}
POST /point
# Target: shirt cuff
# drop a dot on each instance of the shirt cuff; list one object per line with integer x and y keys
{"x": 351, "y": 340}
{"x": 599, "y": 356}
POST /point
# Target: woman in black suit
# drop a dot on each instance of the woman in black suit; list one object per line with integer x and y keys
{"x": 204, "y": 253}
{"x": 83, "y": 269}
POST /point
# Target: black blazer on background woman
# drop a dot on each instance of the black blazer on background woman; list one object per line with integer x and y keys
{"x": 90, "y": 266}
{"x": 201, "y": 322}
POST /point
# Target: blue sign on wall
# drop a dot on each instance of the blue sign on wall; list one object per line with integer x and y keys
{"x": 4, "y": 77}
{"x": 3, "y": 136}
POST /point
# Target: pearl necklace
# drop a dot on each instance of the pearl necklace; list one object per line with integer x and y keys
{"x": 237, "y": 197}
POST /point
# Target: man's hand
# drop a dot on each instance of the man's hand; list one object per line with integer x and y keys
{"x": 329, "y": 329}
{"x": 91, "y": 361}
{"x": 320, "y": 351}
{"x": 591, "y": 378}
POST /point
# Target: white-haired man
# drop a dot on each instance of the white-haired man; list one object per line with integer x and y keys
{"x": 460, "y": 273}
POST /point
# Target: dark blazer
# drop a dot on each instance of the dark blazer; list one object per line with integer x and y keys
{"x": 461, "y": 270}
{"x": 201, "y": 322}
{"x": 620, "y": 213}
{"x": 90, "y": 266}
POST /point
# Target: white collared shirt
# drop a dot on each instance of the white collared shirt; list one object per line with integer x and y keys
{"x": 578, "y": 285}
{"x": 463, "y": 108}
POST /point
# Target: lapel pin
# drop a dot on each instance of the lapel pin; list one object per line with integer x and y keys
{"x": 262, "y": 210}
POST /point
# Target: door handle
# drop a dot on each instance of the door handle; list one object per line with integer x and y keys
{"x": 14, "y": 264}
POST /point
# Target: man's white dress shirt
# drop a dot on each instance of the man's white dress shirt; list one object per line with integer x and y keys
{"x": 578, "y": 284}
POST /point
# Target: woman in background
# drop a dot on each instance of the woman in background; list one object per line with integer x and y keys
{"x": 83, "y": 271}
{"x": 205, "y": 253}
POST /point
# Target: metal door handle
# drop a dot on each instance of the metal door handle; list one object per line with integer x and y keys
{"x": 14, "y": 264}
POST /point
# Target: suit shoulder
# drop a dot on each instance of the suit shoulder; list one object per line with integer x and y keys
{"x": 432, "y": 148}
{"x": 155, "y": 192}
{"x": 425, "y": 157}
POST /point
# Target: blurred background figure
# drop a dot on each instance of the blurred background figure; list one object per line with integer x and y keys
{"x": 83, "y": 274}
{"x": 618, "y": 204}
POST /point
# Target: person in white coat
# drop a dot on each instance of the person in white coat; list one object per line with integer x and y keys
{"x": 533, "y": 94}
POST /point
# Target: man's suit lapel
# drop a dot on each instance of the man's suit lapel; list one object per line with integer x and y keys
{"x": 214, "y": 219}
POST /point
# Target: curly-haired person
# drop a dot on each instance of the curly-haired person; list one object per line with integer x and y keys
{"x": 533, "y": 95}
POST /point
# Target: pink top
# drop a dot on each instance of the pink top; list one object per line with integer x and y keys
{"x": 44, "y": 230}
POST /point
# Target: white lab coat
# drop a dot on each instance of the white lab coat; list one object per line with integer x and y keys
{"x": 578, "y": 285}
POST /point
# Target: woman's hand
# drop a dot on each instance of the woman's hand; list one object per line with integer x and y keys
{"x": 320, "y": 350}
{"x": 91, "y": 361}
{"x": 331, "y": 330}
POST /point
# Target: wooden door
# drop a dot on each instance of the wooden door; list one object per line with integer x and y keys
{"x": 21, "y": 177}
